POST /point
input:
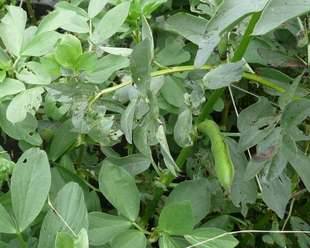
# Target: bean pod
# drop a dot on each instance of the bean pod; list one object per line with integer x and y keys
{"x": 224, "y": 167}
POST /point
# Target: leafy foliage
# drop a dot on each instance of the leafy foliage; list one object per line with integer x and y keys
{"x": 170, "y": 124}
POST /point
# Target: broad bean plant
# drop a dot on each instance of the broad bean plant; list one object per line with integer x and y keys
{"x": 155, "y": 123}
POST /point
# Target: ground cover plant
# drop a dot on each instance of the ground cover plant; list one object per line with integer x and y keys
{"x": 155, "y": 123}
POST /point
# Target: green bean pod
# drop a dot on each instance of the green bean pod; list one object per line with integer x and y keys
{"x": 224, "y": 167}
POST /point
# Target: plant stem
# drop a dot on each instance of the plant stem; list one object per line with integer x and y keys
{"x": 21, "y": 240}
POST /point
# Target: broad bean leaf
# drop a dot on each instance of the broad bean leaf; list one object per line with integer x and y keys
{"x": 10, "y": 87}
{"x": 128, "y": 239}
{"x": 41, "y": 44}
{"x": 298, "y": 160}
{"x": 65, "y": 18}
{"x": 189, "y": 26}
{"x": 140, "y": 65}
{"x": 228, "y": 14}
{"x": 68, "y": 51}
{"x": 7, "y": 224}
{"x": 207, "y": 235}
{"x": 27, "y": 101}
{"x": 165, "y": 241}
{"x": 63, "y": 139}
{"x": 30, "y": 184}
{"x": 173, "y": 91}
{"x": 276, "y": 13}
{"x": 147, "y": 34}
{"x": 183, "y": 128}
{"x": 173, "y": 53}
{"x": 128, "y": 120}
{"x": 120, "y": 189}
{"x": 104, "y": 227}
{"x": 299, "y": 224}
{"x": 65, "y": 240}
{"x": 242, "y": 191}
{"x": 294, "y": 114}
{"x": 24, "y": 130}
{"x": 12, "y": 29}
{"x": 195, "y": 192}
{"x": 165, "y": 151}
{"x": 95, "y": 7}
{"x": 110, "y": 23}
{"x": 224, "y": 75}
{"x": 69, "y": 204}
{"x": 177, "y": 218}
{"x": 277, "y": 193}
{"x": 134, "y": 163}
{"x": 255, "y": 123}
{"x": 105, "y": 67}
{"x": 35, "y": 73}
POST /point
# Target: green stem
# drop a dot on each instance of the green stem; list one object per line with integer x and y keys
{"x": 21, "y": 240}
{"x": 246, "y": 38}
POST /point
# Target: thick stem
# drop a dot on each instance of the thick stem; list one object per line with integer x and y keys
{"x": 22, "y": 242}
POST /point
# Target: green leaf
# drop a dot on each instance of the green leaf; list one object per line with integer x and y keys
{"x": 229, "y": 13}
{"x": 41, "y": 44}
{"x": 177, "y": 218}
{"x": 224, "y": 75}
{"x": 35, "y": 73}
{"x": 104, "y": 227}
{"x": 12, "y": 29}
{"x": 298, "y": 160}
{"x": 66, "y": 19}
{"x": 128, "y": 120}
{"x": 129, "y": 239}
{"x": 140, "y": 65}
{"x": 189, "y": 26}
{"x": 147, "y": 34}
{"x": 95, "y": 7}
{"x": 25, "y": 130}
{"x": 173, "y": 53}
{"x": 63, "y": 139}
{"x": 165, "y": 151}
{"x": 294, "y": 114}
{"x": 276, "y": 194}
{"x": 25, "y": 102}
{"x": 68, "y": 51}
{"x": 165, "y": 241}
{"x": 135, "y": 163}
{"x": 255, "y": 123}
{"x": 208, "y": 235}
{"x": 105, "y": 67}
{"x": 276, "y": 13}
{"x": 87, "y": 62}
{"x": 183, "y": 128}
{"x": 173, "y": 91}
{"x": 11, "y": 87}
{"x": 300, "y": 225}
{"x": 64, "y": 240}
{"x": 120, "y": 189}
{"x": 243, "y": 191}
{"x": 7, "y": 224}
{"x": 110, "y": 23}
{"x": 196, "y": 193}
{"x": 30, "y": 184}
{"x": 70, "y": 205}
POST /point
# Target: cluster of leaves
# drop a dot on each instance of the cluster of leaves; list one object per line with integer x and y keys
{"x": 100, "y": 101}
